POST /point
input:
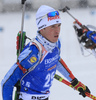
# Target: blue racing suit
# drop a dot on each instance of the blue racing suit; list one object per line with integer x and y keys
{"x": 40, "y": 69}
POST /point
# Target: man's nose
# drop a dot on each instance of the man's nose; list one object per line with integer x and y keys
{"x": 57, "y": 30}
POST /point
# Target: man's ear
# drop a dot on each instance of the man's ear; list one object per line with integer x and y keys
{"x": 41, "y": 30}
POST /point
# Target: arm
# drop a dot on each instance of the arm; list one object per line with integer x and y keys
{"x": 88, "y": 37}
{"x": 10, "y": 79}
{"x": 15, "y": 73}
{"x": 65, "y": 71}
{"x": 91, "y": 35}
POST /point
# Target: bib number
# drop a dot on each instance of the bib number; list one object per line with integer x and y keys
{"x": 49, "y": 79}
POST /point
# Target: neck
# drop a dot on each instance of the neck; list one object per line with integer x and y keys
{"x": 47, "y": 44}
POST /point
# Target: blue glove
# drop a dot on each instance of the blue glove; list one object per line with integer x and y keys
{"x": 91, "y": 35}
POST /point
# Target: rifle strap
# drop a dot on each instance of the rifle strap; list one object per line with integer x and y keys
{"x": 38, "y": 45}
{"x": 21, "y": 67}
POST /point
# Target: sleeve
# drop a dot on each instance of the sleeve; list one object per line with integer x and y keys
{"x": 64, "y": 70}
{"x": 28, "y": 58}
{"x": 91, "y": 35}
{"x": 10, "y": 79}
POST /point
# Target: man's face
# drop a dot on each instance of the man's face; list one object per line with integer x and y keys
{"x": 51, "y": 33}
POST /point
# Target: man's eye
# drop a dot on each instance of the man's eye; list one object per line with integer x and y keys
{"x": 53, "y": 26}
{"x": 59, "y": 25}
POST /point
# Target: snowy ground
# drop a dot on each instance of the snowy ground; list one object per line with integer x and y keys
{"x": 84, "y": 68}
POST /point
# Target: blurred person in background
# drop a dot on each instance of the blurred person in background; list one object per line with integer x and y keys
{"x": 87, "y": 36}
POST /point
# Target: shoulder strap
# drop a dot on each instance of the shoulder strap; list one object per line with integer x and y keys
{"x": 40, "y": 53}
{"x": 38, "y": 45}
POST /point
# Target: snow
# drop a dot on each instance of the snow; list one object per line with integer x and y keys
{"x": 84, "y": 68}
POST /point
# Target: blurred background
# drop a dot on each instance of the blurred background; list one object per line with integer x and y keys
{"x": 14, "y": 5}
{"x": 82, "y": 66}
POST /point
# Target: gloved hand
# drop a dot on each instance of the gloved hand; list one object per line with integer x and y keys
{"x": 80, "y": 32}
{"x": 80, "y": 87}
{"x": 78, "y": 29}
{"x": 91, "y": 35}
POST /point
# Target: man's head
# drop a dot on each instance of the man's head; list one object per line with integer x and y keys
{"x": 48, "y": 22}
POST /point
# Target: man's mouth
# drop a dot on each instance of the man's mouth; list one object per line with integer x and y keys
{"x": 56, "y": 36}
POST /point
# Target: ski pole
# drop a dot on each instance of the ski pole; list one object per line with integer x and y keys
{"x": 76, "y": 21}
{"x": 66, "y": 10}
{"x": 59, "y": 78}
{"x": 22, "y": 24}
{"x": 21, "y": 36}
{"x": 20, "y": 43}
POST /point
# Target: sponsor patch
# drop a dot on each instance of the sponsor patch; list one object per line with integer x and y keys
{"x": 52, "y": 67}
{"x": 53, "y": 18}
{"x": 33, "y": 59}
